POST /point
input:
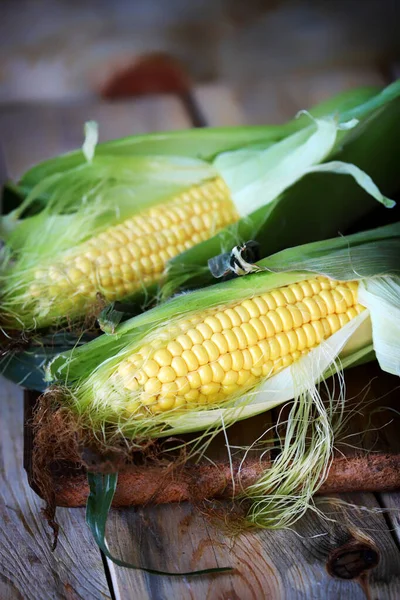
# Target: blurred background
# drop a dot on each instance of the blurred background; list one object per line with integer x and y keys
{"x": 271, "y": 57}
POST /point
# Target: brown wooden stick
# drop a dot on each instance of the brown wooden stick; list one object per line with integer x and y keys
{"x": 161, "y": 485}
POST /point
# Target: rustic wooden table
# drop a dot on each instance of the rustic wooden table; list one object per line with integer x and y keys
{"x": 267, "y": 564}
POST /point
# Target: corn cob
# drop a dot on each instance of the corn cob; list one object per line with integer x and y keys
{"x": 222, "y": 352}
{"x": 132, "y": 254}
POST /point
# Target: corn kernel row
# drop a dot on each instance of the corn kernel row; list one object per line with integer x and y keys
{"x": 118, "y": 261}
{"x": 218, "y": 353}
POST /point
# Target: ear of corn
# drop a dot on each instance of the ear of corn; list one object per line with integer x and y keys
{"x": 210, "y": 358}
{"x": 126, "y": 257}
{"x": 220, "y": 353}
{"x": 108, "y": 228}
{"x": 209, "y": 348}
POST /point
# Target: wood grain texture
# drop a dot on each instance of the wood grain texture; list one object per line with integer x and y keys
{"x": 276, "y": 99}
{"x": 344, "y": 549}
{"x": 268, "y": 564}
{"x": 391, "y": 502}
{"x": 219, "y": 106}
{"x": 28, "y": 568}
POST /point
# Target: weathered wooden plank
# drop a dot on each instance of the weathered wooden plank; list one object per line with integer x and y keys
{"x": 268, "y": 564}
{"x": 218, "y": 105}
{"x": 391, "y": 504}
{"x": 28, "y": 568}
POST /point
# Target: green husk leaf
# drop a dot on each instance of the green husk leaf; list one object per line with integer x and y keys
{"x": 329, "y": 204}
{"x": 91, "y": 138}
{"x": 26, "y": 366}
{"x": 363, "y": 180}
{"x": 102, "y": 490}
{"x": 256, "y": 179}
{"x": 207, "y": 142}
{"x": 382, "y": 298}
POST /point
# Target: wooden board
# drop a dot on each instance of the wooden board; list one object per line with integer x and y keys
{"x": 28, "y": 568}
{"x": 268, "y": 564}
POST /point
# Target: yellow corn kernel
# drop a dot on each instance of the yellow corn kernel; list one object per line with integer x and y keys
{"x": 218, "y": 372}
{"x": 243, "y": 314}
{"x": 168, "y": 390}
{"x": 152, "y": 386}
{"x": 213, "y": 324}
{"x": 209, "y": 389}
{"x": 184, "y": 341}
{"x": 250, "y": 334}
{"x": 226, "y": 362}
{"x": 233, "y": 317}
{"x": 190, "y": 359}
{"x": 251, "y": 308}
{"x": 240, "y": 336}
{"x": 274, "y": 348}
{"x": 237, "y": 360}
{"x": 231, "y": 340}
{"x": 201, "y": 354}
{"x": 179, "y": 365}
{"x": 166, "y": 403}
{"x": 183, "y": 386}
{"x": 258, "y": 327}
{"x": 279, "y": 298}
{"x": 194, "y": 380}
{"x": 256, "y": 355}
{"x": 261, "y": 305}
{"x": 204, "y": 330}
{"x": 306, "y": 288}
{"x": 224, "y": 320}
{"x": 205, "y": 374}
{"x": 195, "y": 336}
{"x": 175, "y": 348}
{"x": 166, "y": 374}
{"x": 163, "y": 357}
{"x": 211, "y": 349}
{"x": 221, "y": 342}
{"x": 193, "y": 395}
